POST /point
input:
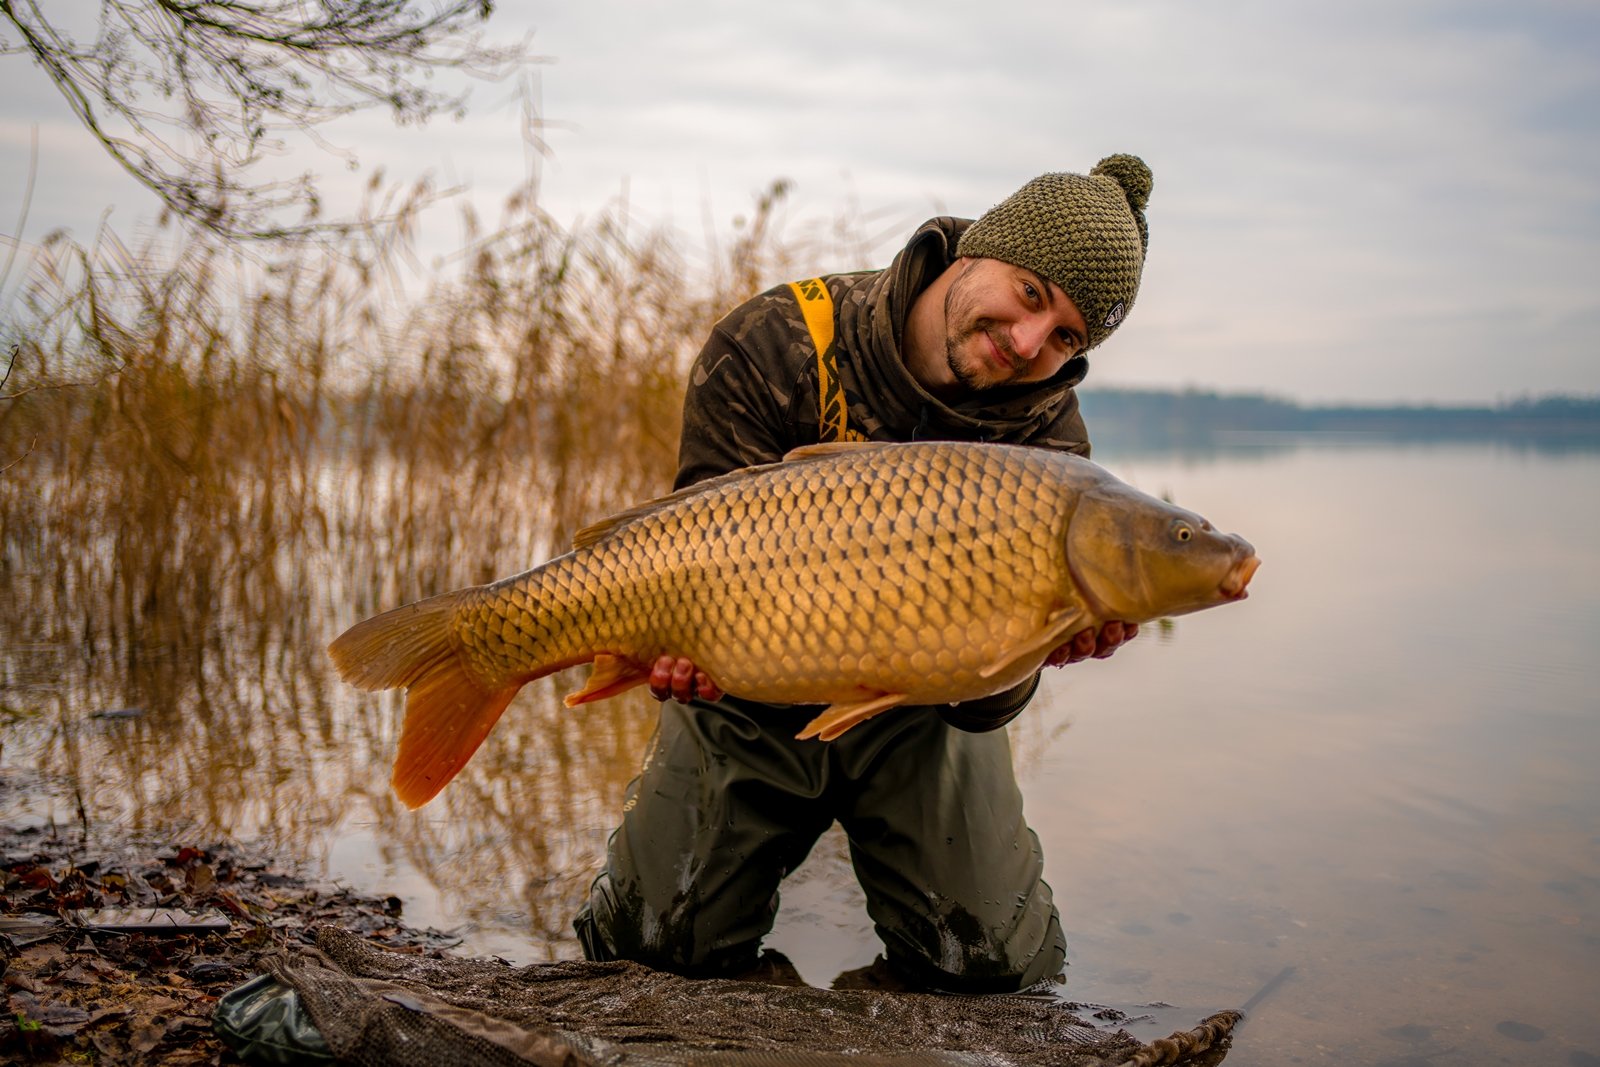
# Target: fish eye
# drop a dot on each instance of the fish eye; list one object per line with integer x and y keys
{"x": 1182, "y": 531}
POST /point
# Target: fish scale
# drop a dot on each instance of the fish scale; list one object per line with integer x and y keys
{"x": 857, "y": 576}
{"x": 729, "y": 595}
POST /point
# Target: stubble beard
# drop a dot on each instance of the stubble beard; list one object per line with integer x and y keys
{"x": 980, "y": 374}
{"x": 957, "y": 309}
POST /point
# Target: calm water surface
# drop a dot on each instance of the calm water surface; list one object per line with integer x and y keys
{"x": 1379, "y": 771}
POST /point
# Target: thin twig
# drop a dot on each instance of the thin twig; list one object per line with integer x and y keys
{"x": 22, "y": 221}
{"x": 31, "y": 445}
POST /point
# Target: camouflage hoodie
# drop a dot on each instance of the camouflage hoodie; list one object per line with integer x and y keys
{"x": 754, "y": 392}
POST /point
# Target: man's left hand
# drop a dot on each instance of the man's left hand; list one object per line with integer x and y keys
{"x": 679, "y": 679}
{"x": 1090, "y": 643}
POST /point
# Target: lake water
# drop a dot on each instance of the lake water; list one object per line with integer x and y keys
{"x": 1381, "y": 771}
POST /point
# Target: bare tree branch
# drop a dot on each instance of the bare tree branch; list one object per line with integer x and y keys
{"x": 189, "y": 95}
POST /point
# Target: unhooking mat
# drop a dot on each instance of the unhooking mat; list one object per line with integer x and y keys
{"x": 375, "y": 1006}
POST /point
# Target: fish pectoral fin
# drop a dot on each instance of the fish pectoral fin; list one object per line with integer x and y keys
{"x": 1057, "y": 628}
{"x": 611, "y": 675}
{"x": 840, "y": 717}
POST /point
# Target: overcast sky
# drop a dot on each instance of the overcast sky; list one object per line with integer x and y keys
{"x": 1373, "y": 201}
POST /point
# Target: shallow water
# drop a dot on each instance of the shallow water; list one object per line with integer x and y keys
{"x": 1378, "y": 771}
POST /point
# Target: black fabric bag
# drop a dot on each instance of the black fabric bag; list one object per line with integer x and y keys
{"x": 265, "y": 1024}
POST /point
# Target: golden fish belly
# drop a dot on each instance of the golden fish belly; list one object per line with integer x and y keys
{"x": 812, "y": 582}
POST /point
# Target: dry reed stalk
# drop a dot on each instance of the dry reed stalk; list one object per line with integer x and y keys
{"x": 234, "y": 460}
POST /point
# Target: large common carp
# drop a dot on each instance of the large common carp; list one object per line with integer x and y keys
{"x": 860, "y": 576}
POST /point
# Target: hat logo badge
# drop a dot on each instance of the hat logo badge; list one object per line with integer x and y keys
{"x": 1114, "y": 316}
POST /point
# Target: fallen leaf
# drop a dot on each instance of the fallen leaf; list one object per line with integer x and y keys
{"x": 158, "y": 1004}
{"x": 77, "y": 974}
{"x": 23, "y": 982}
{"x": 59, "y": 1017}
{"x": 36, "y": 878}
{"x": 201, "y": 879}
{"x": 110, "y": 1046}
{"x": 146, "y": 1036}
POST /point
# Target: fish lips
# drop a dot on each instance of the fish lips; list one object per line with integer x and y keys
{"x": 1233, "y": 586}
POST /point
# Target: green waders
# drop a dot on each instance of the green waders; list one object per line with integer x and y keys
{"x": 728, "y": 803}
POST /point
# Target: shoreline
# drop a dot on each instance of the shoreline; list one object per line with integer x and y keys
{"x": 117, "y": 951}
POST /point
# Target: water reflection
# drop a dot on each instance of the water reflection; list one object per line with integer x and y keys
{"x": 1379, "y": 770}
{"x": 209, "y": 470}
{"x": 232, "y": 722}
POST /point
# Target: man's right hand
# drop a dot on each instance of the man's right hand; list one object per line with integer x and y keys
{"x": 679, "y": 679}
{"x": 1099, "y": 643}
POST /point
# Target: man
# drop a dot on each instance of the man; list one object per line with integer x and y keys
{"x": 977, "y": 331}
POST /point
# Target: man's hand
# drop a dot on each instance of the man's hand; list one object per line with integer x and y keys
{"x": 1086, "y": 643}
{"x": 681, "y": 680}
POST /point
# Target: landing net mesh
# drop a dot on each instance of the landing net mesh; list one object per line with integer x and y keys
{"x": 376, "y": 1006}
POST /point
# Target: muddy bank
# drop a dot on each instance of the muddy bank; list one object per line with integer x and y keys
{"x": 117, "y": 951}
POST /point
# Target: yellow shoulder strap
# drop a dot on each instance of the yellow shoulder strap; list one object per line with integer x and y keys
{"x": 832, "y": 411}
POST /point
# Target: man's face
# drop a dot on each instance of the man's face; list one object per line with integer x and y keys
{"x": 1006, "y": 325}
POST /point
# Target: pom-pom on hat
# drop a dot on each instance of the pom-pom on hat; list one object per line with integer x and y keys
{"x": 1085, "y": 232}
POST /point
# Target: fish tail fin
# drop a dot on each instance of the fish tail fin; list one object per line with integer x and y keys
{"x": 399, "y": 647}
{"x": 448, "y": 711}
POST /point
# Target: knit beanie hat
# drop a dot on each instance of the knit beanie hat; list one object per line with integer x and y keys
{"x": 1086, "y": 233}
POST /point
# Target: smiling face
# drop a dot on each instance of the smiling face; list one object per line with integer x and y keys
{"x": 998, "y": 324}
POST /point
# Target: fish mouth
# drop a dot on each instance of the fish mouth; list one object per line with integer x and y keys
{"x": 1233, "y": 586}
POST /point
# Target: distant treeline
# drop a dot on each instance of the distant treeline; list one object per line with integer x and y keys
{"x": 1155, "y": 417}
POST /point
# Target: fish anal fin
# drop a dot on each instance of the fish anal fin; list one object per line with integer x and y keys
{"x": 1057, "y": 628}
{"x": 830, "y": 448}
{"x": 611, "y": 675}
{"x": 840, "y": 717}
{"x": 447, "y": 717}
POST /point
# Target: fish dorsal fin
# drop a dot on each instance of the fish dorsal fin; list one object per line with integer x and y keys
{"x": 606, "y": 527}
{"x": 831, "y": 448}
{"x": 1057, "y": 628}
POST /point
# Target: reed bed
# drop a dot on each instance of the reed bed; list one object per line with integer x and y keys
{"x": 213, "y": 462}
